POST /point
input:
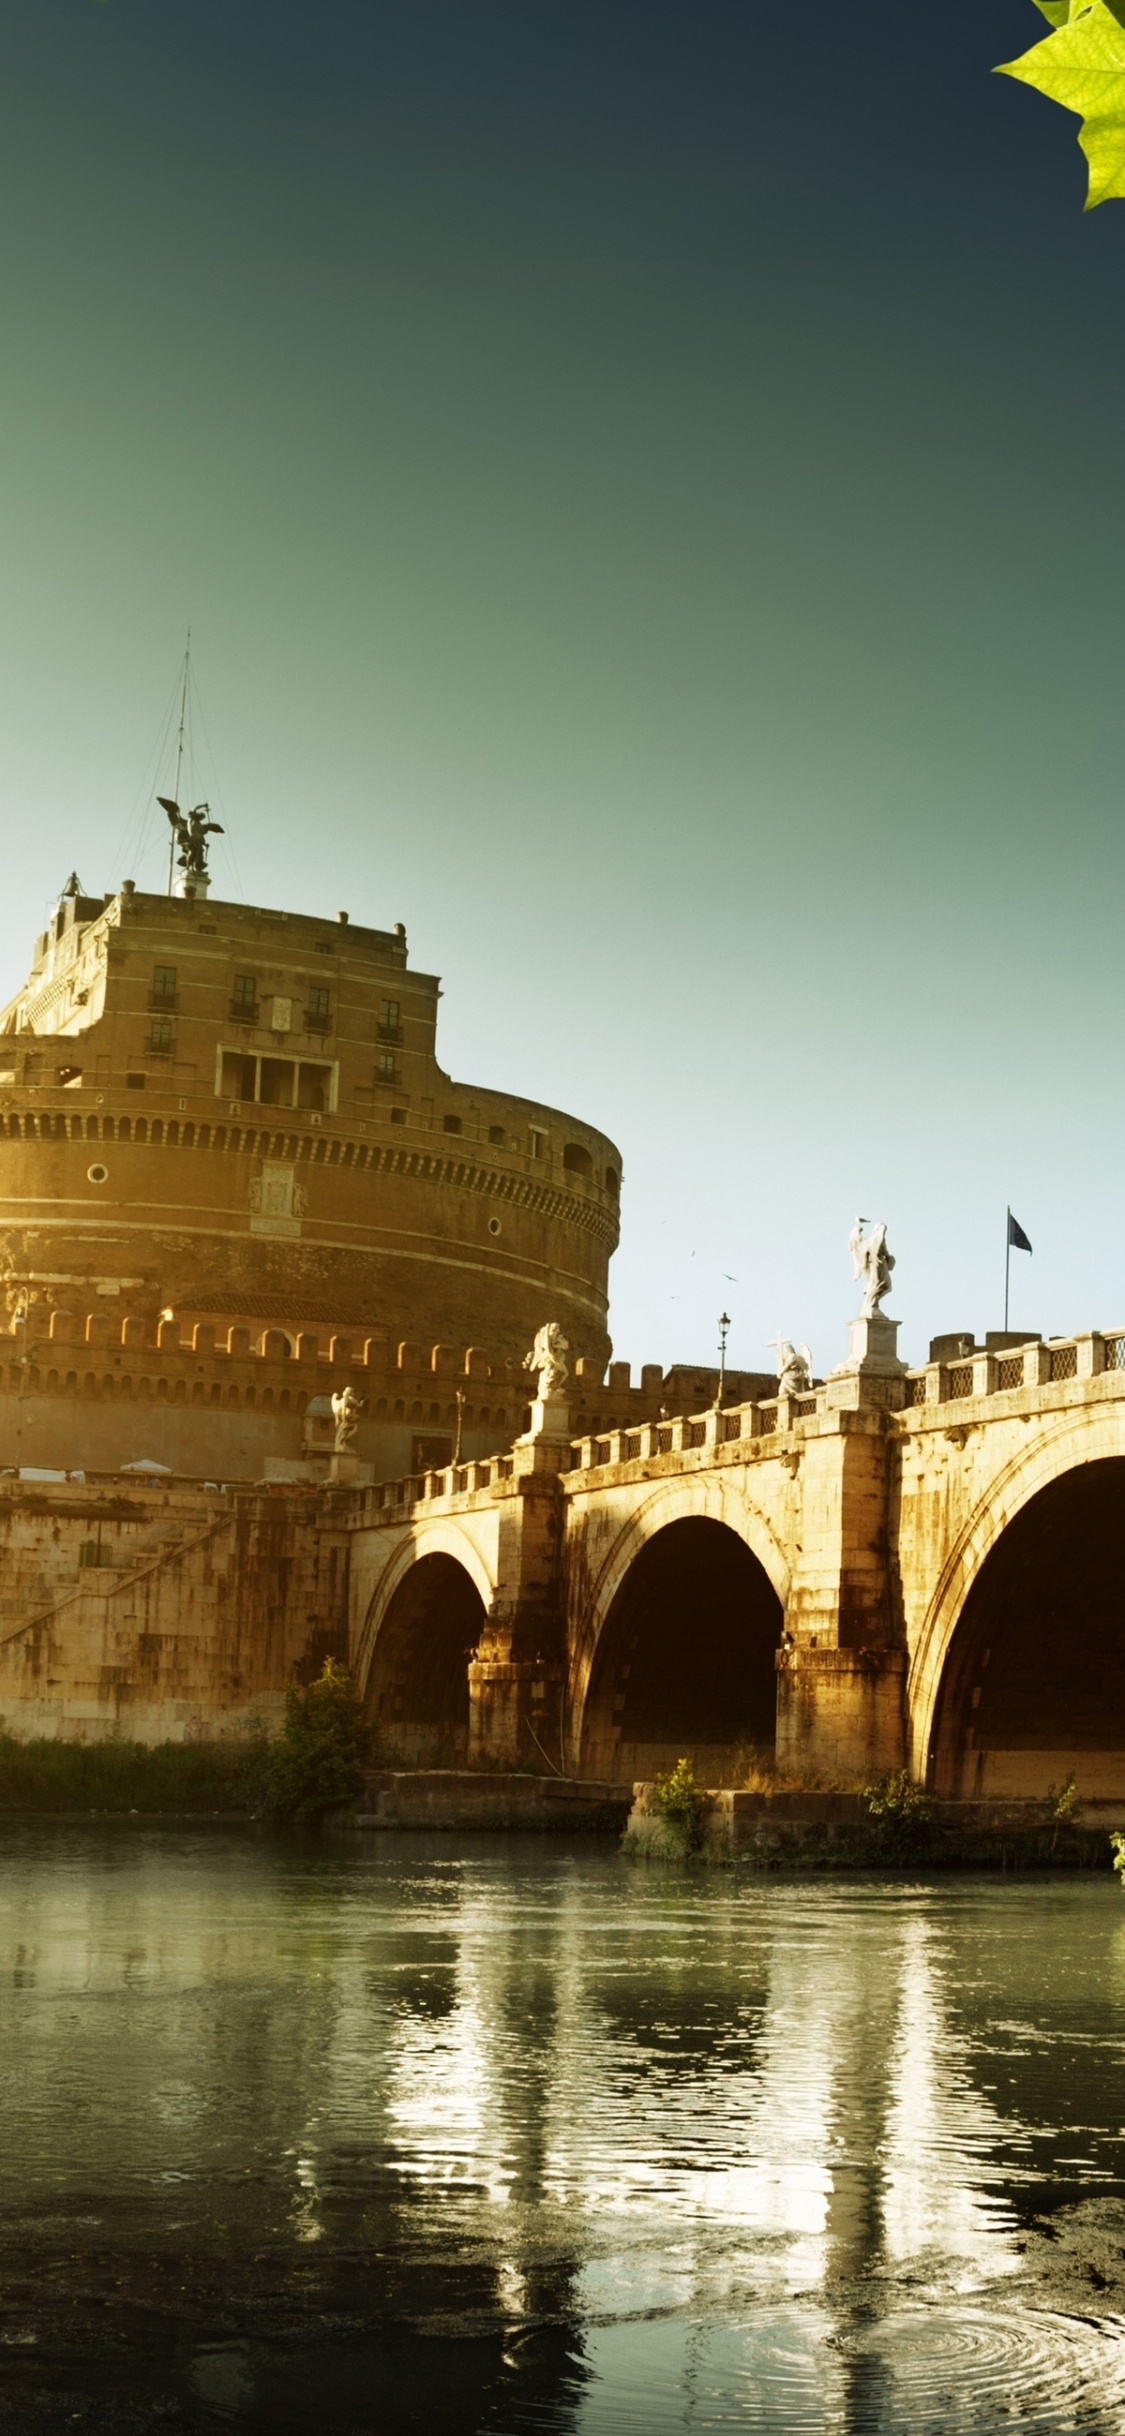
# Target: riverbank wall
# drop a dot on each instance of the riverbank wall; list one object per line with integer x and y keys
{"x": 453, "y": 1799}
{"x": 812, "y": 1830}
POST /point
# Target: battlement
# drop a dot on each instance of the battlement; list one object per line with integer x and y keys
{"x": 83, "y": 1389}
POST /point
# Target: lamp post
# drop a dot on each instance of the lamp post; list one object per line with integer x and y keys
{"x": 724, "y": 1324}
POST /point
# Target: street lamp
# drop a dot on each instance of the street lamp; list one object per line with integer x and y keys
{"x": 724, "y": 1324}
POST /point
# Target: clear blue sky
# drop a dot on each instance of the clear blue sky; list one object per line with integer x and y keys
{"x": 645, "y": 481}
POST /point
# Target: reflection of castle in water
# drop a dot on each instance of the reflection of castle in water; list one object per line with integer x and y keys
{"x": 729, "y": 2144}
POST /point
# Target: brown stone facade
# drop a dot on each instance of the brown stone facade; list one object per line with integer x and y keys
{"x": 237, "y": 1115}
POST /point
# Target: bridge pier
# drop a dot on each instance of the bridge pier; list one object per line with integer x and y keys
{"x": 840, "y": 1712}
{"x": 517, "y": 1672}
{"x": 840, "y": 1680}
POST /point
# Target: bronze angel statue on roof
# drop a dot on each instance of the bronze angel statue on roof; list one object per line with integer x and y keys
{"x": 192, "y": 832}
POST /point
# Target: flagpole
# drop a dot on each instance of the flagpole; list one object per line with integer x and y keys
{"x": 1007, "y": 1262}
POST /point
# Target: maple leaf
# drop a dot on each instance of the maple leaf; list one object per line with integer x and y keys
{"x": 1081, "y": 64}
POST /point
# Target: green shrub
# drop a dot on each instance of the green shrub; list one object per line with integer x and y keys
{"x": 899, "y": 1811}
{"x": 1063, "y": 1801}
{"x": 1117, "y": 1847}
{"x": 679, "y": 1801}
{"x": 323, "y": 1751}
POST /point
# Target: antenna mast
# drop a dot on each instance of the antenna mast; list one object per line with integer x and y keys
{"x": 179, "y": 757}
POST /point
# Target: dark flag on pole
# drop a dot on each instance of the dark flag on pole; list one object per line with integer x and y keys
{"x": 1014, "y": 1241}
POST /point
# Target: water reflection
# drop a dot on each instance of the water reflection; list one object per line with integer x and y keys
{"x": 512, "y": 2137}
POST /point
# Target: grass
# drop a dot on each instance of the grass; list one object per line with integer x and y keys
{"x": 119, "y": 1775}
{"x": 316, "y": 1763}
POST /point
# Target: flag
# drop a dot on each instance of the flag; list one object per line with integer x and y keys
{"x": 1016, "y": 1237}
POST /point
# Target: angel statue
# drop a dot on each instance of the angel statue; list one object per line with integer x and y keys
{"x": 871, "y": 1262}
{"x": 346, "y": 1409}
{"x": 794, "y": 1370}
{"x": 548, "y": 1357}
{"x": 192, "y": 832}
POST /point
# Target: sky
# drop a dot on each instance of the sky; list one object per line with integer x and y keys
{"x": 644, "y": 483}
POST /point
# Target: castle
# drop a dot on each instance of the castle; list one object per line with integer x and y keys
{"x": 235, "y": 1178}
{"x": 271, "y": 1281}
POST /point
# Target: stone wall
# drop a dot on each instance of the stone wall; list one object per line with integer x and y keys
{"x": 159, "y": 1614}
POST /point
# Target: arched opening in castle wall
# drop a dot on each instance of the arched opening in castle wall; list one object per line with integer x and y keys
{"x": 417, "y": 1691}
{"x": 1033, "y": 1687}
{"x": 685, "y": 1666}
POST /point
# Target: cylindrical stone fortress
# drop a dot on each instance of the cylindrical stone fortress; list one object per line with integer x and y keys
{"x": 229, "y": 1112}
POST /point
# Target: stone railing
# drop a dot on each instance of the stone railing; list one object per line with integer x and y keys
{"x": 693, "y": 1432}
{"x": 1032, "y": 1365}
{"x": 982, "y": 1374}
{"x": 390, "y": 1498}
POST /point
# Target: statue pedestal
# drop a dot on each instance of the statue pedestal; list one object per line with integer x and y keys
{"x": 347, "y": 1472}
{"x": 874, "y": 1347}
{"x": 545, "y": 1447}
{"x": 873, "y": 1373}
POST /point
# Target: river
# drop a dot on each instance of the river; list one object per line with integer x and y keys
{"x": 483, "y": 2135}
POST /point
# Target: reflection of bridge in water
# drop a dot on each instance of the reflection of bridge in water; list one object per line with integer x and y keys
{"x": 927, "y": 1566}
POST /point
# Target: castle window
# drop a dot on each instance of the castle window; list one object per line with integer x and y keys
{"x": 135, "y": 1082}
{"x": 244, "y": 998}
{"x": 317, "y": 1017}
{"x": 451, "y": 1124}
{"x": 386, "y": 1070}
{"x": 398, "y": 1116}
{"x": 160, "y": 1034}
{"x": 497, "y": 1134}
{"x": 578, "y": 1160}
{"x": 390, "y": 1027}
{"x": 275, "y": 1085}
{"x": 536, "y": 1143}
{"x": 314, "y": 1085}
{"x": 164, "y": 985}
{"x": 612, "y": 1180}
{"x": 240, "y": 1076}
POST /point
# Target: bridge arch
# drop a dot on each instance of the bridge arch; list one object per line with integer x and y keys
{"x": 678, "y": 1653}
{"x": 1019, "y": 1672}
{"x": 422, "y": 1626}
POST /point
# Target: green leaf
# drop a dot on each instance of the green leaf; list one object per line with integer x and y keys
{"x": 1082, "y": 66}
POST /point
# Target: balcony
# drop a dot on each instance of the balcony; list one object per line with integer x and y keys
{"x": 388, "y": 1031}
{"x": 162, "y": 1002}
{"x": 317, "y": 1020}
{"x": 239, "y": 1012}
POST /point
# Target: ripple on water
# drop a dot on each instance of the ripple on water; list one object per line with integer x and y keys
{"x": 924, "y": 2370}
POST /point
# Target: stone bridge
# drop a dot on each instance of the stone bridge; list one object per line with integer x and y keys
{"x": 923, "y": 1567}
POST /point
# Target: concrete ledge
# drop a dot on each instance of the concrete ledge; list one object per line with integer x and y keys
{"x": 838, "y": 1829}
{"x": 452, "y": 1798}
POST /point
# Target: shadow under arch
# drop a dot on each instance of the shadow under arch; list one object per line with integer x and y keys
{"x": 1033, "y": 1683}
{"x": 685, "y": 1662}
{"x": 417, "y": 1691}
